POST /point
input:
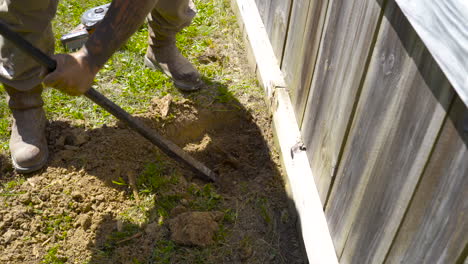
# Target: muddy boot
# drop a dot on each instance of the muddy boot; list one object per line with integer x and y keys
{"x": 162, "y": 54}
{"x": 28, "y": 144}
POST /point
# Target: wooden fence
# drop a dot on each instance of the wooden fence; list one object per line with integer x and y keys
{"x": 386, "y": 135}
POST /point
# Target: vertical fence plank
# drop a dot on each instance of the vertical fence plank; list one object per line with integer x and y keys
{"x": 293, "y": 45}
{"x": 344, "y": 50}
{"x": 301, "y": 50}
{"x": 399, "y": 115}
{"x": 277, "y": 25}
{"x": 435, "y": 228}
{"x": 264, "y": 9}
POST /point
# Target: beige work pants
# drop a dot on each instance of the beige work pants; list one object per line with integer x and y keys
{"x": 32, "y": 20}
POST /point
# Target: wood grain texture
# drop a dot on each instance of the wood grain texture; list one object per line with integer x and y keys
{"x": 277, "y": 25}
{"x": 435, "y": 229}
{"x": 345, "y": 48}
{"x": 299, "y": 64}
{"x": 399, "y": 115}
{"x": 293, "y": 50}
{"x": 294, "y": 41}
{"x": 263, "y": 7}
{"x": 443, "y": 27}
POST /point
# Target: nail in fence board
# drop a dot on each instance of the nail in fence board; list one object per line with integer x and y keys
{"x": 346, "y": 45}
{"x": 399, "y": 115}
{"x": 303, "y": 40}
{"x": 435, "y": 229}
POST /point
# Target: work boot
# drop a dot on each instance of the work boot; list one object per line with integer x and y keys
{"x": 164, "y": 55}
{"x": 28, "y": 143}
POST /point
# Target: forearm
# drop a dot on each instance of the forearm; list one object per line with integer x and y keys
{"x": 122, "y": 19}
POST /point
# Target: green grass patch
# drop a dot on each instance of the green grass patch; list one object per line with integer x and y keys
{"x": 163, "y": 252}
{"x": 4, "y": 122}
{"x": 57, "y": 225}
{"x": 52, "y": 256}
{"x": 205, "y": 198}
{"x": 9, "y": 188}
{"x": 155, "y": 178}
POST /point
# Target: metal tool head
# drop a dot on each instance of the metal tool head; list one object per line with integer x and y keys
{"x": 94, "y": 15}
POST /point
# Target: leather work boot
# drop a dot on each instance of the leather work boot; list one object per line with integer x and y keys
{"x": 165, "y": 56}
{"x": 28, "y": 143}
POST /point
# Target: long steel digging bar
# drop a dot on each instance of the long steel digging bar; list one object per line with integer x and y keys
{"x": 171, "y": 149}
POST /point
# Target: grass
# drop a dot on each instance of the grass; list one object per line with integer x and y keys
{"x": 125, "y": 80}
{"x": 163, "y": 252}
{"x": 4, "y": 121}
{"x": 8, "y": 188}
{"x": 52, "y": 256}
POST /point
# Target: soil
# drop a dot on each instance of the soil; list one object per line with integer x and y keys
{"x": 75, "y": 210}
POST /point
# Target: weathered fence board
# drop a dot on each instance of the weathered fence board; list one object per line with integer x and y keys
{"x": 301, "y": 67}
{"x": 435, "y": 229}
{"x": 399, "y": 115}
{"x": 294, "y": 40}
{"x": 345, "y": 48}
{"x": 277, "y": 25}
{"x": 264, "y": 9}
{"x": 443, "y": 26}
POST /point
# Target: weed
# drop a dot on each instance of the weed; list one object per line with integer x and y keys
{"x": 155, "y": 178}
{"x": 8, "y": 188}
{"x": 57, "y": 225}
{"x": 116, "y": 237}
{"x": 4, "y": 122}
{"x": 230, "y": 216}
{"x": 140, "y": 212}
{"x": 163, "y": 252}
{"x": 164, "y": 204}
{"x": 120, "y": 182}
{"x": 206, "y": 198}
{"x": 262, "y": 203}
{"x": 52, "y": 256}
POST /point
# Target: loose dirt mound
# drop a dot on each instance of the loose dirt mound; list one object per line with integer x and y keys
{"x": 109, "y": 196}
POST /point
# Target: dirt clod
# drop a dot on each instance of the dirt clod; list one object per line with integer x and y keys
{"x": 84, "y": 221}
{"x": 161, "y": 105}
{"x": 77, "y": 196}
{"x": 194, "y": 228}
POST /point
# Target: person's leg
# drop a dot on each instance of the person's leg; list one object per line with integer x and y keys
{"x": 28, "y": 144}
{"x": 164, "y": 22}
{"x": 20, "y": 77}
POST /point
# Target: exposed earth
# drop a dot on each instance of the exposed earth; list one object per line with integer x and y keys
{"x": 109, "y": 196}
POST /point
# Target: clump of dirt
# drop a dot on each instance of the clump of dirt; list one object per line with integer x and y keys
{"x": 195, "y": 228}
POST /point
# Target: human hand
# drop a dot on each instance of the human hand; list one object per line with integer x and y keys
{"x": 74, "y": 74}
